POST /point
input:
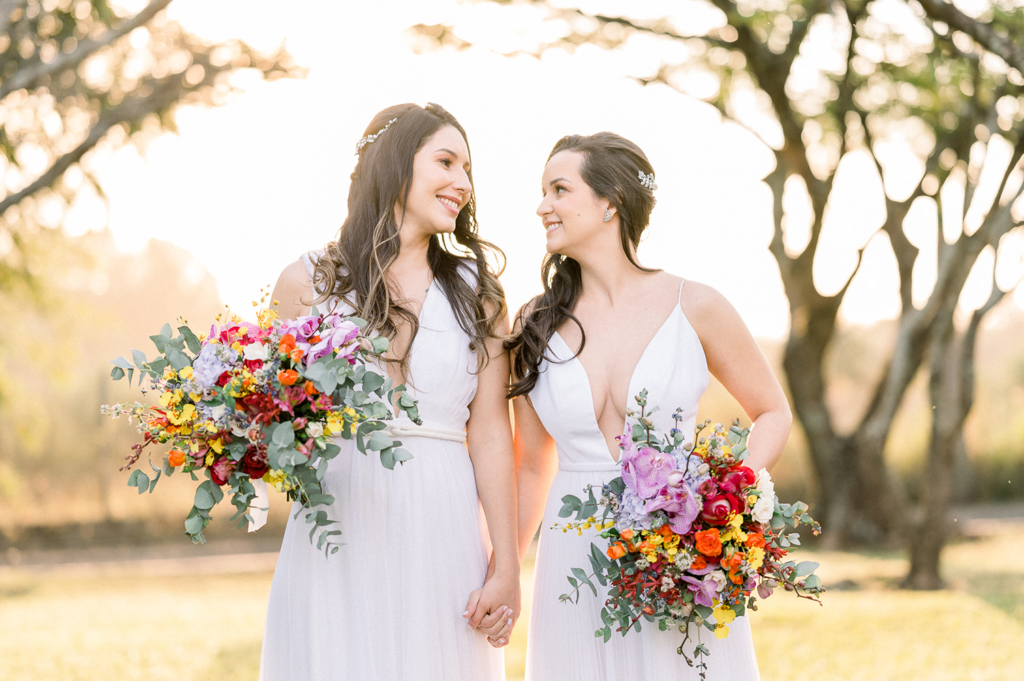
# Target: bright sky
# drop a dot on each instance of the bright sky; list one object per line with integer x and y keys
{"x": 249, "y": 186}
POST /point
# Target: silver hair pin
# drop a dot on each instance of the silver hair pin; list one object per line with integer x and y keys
{"x": 369, "y": 139}
{"x": 647, "y": 180}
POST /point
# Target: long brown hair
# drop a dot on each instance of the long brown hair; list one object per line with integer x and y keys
{"x": 368, "y": 242}
{"x": 610, "y": 166}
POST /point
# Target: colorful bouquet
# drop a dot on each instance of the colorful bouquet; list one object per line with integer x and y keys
{"x": 691, "y": 533}
{"x": 252, "y": 404}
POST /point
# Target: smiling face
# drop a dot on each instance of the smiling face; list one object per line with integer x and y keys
{"x": 440, "y": 184}
{"x": 570, "y": 210}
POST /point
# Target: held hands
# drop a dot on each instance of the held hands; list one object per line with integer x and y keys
{"x": 494, "y": 608}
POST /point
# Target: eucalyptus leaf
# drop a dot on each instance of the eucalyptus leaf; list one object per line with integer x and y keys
{"x": 194, "y": 524}
{"x": 806, "y": 568}
{"x": 379, "y": 441}
{"x": 177, "y": 359}
{"x": 190, "y": 339}
{"x": 204, "y": 499}
{"x": 139, "y": 357}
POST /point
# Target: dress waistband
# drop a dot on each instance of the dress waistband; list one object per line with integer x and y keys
{"x": 590, "y": 466}
{"x": 428, "y": 430}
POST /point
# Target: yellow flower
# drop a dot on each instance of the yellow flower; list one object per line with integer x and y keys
{"x": 165, "y": 398}
{"x": 217, "y": 446}
{"x": 265, "y": 317}
{"x": 755, "y": 556}
{"x": 721, "y": 632}
{"x": 209, "y": 459}
{"x": 187, "y": 413}
{"x": 724, "y": 614}
{"x": 185, "y": 373}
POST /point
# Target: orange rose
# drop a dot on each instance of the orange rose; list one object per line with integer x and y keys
{"x": 288, "y": 377}
{"x": 287, "y": 344}
{"x": 698, "y": 563}
{"x": 755, "y": 540}
{"x": 709, "y": 542}
{"x": 296, "y": 355}
{"x": 736, "y": 577}
{"x": 626, "y": 534}
{"x": 733, "y": 561}
{"x": 175, "y": 458}
{"x": 616, "y": 551}
{"x": 665, "y": 530}
{"x": 310, "y": 388}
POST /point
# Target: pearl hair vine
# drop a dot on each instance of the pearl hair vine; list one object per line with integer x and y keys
{"x": 647, "y": 180}
{"x": 369, "y": 139}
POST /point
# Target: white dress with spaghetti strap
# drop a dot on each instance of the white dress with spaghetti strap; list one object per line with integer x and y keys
{"x": 561, "y": 642}
{"x": 388, "y": 605}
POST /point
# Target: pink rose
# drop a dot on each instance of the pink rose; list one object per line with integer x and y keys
{"x": 737, "y": 480}
{"x": 718, "y": 509}
{"x": 221, "y": 470}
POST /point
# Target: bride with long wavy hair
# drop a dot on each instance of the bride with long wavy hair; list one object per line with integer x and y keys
{"x": 419, "y": 562}
{"x": 605, "y": 328}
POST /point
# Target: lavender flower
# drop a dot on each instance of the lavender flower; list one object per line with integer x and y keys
{"x": 213, "y": 360}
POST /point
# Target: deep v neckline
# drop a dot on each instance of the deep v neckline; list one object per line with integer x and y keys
{"x": 632, "y": 375}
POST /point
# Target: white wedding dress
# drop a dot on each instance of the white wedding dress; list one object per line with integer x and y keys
{"x": 561, "y": 645}
{"x": 388, "y": 605}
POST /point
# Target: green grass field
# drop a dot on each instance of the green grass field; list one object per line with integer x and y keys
{"x": 129, "y": 623}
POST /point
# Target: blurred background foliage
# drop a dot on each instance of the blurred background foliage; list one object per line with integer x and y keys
{"x": 820, "y": 83}
{"x": 76, "y": 76}
{"x": 927, "y": 102}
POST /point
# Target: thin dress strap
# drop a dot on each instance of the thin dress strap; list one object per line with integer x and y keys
{"x": 680, "y": 301}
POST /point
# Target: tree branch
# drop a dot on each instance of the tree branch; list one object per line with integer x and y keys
{"x": 30, "y": 76}
{"x": 164, "y": 94}
{"x": 982, "y": 33}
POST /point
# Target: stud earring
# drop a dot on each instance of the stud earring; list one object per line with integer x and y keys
{"x": 607, "y": 215}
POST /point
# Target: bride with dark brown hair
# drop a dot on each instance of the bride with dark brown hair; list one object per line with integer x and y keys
{"x": 394, "y": 602}
{"x": 604, "y": 329}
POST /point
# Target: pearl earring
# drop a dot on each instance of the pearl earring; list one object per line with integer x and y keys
{"x": 607, "y": 215}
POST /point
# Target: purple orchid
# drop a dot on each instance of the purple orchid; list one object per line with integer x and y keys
{"x": 679, "y": 504}
{"x": 704, "y": 591}
{"x": 645, "y": 471}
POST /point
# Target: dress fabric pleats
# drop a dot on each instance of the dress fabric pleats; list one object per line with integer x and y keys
{"x": 561, "y": 642}
{"x": 388, "y": 605}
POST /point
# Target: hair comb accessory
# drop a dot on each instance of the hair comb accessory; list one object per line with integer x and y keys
{"x": 369, "y": 139}
{"x": 647, "y": 180}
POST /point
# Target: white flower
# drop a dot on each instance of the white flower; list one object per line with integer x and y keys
{"x": 764, "y": 507}
{"x": 217, "y": 412}
{"x": 718, "y": 577}
{"x": 255, "y": 351}
{"x": 684, "y": 559}
{"x": 315, "y": 429}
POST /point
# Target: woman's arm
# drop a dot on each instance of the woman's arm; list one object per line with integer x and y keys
{"x": 735, "y": 359}
{"x": 489, "y": 438}
{"x": 292, "y": 291}
{"x": 536, "y": 466}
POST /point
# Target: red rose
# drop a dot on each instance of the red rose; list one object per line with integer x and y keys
{"x": 253, "y": 364}
{"x": 221, "y": 470}
{"x": 223, "y": 379}
{"x": 254, "y": 464}
{"x": 737, "y": 480}
{"x": 717, "y": 509}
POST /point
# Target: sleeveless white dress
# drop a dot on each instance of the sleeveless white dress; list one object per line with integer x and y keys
{"x": 388, "y": 605}
{"x": 561, "y": 645}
